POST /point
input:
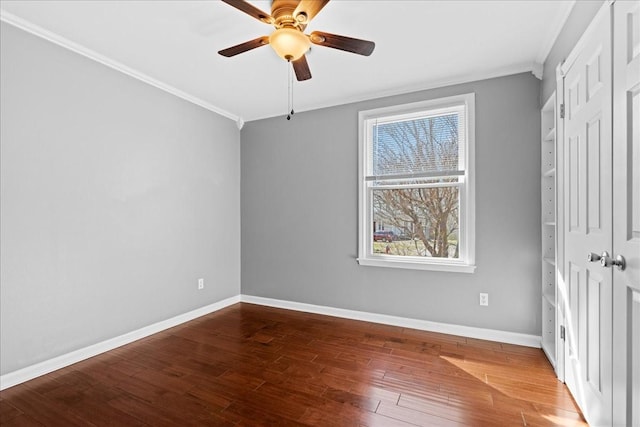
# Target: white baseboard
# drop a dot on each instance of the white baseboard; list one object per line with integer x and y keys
{"x": 30, "y": 372}
{"x": 47, "y": 366}
{"x": 424, "y": 325}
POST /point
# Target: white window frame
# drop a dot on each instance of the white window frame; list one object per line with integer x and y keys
{"x": 466, "y": 261}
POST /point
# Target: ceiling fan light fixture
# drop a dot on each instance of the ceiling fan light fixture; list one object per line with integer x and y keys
{"x": 290, "y": 44}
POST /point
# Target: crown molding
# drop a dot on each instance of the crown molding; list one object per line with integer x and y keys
{"x": 537, "y": 69}
{"x": 52, "y": 37}
{"x": 529, "y": 67}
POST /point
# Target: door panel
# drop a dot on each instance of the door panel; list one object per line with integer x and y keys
{"x": 573, "y": 205}
{"x": 594, "y": 175}
{"x": 588, "y": 215}
{"x": 594, "y": 74}
{"x": 634, "y": 359}
{"x": 573, "y": 296}
{"x": 626, "y": 213}
{"x": 594, "y": 332}
{"x": 574, "y": 184}
{"x": 633, "y": 178}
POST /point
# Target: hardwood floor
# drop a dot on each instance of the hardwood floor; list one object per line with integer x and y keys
{"x": 251, "y": 365}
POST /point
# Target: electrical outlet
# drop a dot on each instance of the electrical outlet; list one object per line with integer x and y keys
{"x": 484, "y": 299}
{"x": 200, "y": 283}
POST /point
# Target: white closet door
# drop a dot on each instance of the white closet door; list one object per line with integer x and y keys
{"x": 626, "y": 213}
{"x": 588, "y": 221}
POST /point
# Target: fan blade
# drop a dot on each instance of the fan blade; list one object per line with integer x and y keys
{"x": 251, "y": 10}
{"x": 348, "y": 44}
{"x": 301, "y": 68}
{"x": 307, "y": 9}
{"x": 243, "y": 47}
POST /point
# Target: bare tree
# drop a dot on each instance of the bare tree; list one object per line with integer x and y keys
{"x": 426, "y": 214}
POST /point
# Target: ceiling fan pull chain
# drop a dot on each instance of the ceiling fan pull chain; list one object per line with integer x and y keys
{"x": 290, "y": 91}
{"x": 291, "y": 80}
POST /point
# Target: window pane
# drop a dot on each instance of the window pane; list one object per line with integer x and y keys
{"x": 424, "y": 145}
{"x": 423, "y": 182}
{"x": 416, "y": 222}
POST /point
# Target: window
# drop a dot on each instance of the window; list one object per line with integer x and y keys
{"x": 416, "y": 186}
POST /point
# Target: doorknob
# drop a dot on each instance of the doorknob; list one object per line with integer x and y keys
{"x": 593, "y": 257}
{"x": 619, "y": 261}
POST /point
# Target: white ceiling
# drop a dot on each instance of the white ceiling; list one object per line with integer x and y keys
{"x": 419, "y": 44}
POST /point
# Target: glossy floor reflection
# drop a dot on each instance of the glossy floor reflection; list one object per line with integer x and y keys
{"x": 251, "y": 365}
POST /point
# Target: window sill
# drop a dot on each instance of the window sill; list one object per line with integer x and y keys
{"x": 412, "y": 265}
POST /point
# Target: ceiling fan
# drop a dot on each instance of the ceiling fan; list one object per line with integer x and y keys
{"x": 290, "y": 18}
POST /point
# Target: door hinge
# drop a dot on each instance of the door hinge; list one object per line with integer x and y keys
{"x": 562, "y": 111}
{"x": 562, "y": 332}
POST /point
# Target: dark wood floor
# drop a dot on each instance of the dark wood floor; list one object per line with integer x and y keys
{"x": 251, "y": 365}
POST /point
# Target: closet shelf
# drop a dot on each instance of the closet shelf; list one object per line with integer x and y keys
{"x": 548, "y": 147}
{"x": 550, "y": 299}
{"x": 551, "y": 136}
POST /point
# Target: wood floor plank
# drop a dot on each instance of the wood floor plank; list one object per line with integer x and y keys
{"x": 8, "y": 411}
{"x": 545, "y": 415}
{"x": 374, "y": 392}
{"x": 92, "y": 405}
{"x": 248, "y": 365}
{"x": 22, "y": 421}
{"x": 414, "y": 417}
{"x": 363, "y": 402}
{"x": 378, "y": 420}
{"x": 44, "y": 410}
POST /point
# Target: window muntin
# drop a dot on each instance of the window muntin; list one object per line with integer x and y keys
{"x": 415, "y": 185}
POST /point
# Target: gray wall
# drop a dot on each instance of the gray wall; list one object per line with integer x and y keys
{"x": 115, "y": 198}
{"x": 299, "y": 214}
{"x": 581, "y": 15}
